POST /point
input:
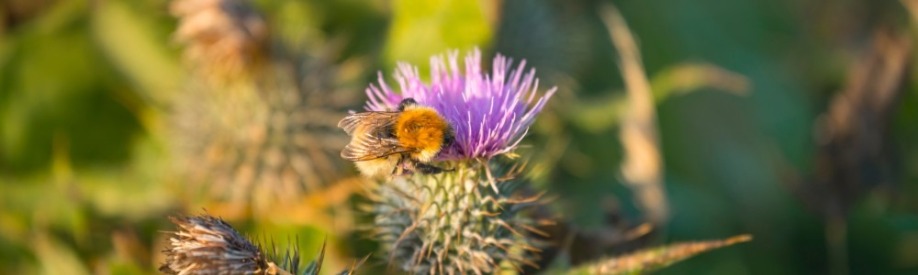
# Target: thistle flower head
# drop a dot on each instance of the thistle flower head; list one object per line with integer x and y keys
{"x": 451, "y": 223}
{"x": 225, "y": 37}
{"x": 489, "y": 113}
{"x": 208, "y": 245}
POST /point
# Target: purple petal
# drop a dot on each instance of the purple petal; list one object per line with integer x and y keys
{"x": 490, "y": 114}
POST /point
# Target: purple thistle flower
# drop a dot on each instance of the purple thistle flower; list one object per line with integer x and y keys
{"x": 490, "y": 114}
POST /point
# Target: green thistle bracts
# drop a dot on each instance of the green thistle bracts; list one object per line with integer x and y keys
{"x": 453, "y": 222}
{"x": 468, "y": 219}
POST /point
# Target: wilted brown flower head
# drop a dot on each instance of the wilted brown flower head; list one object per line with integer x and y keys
{"x": 208, "y": 245}
{"x": 222, "y": 37}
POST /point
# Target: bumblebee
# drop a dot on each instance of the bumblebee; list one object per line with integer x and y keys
{"x": 396, "y": 142}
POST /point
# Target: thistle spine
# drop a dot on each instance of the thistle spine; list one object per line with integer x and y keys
{"x": 452, "y": 222}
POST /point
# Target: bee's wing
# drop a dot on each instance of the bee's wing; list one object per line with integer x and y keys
{"x": 371, "y": 120}
{"x": 371, "y": 136}
{"x": 370, "y": 146}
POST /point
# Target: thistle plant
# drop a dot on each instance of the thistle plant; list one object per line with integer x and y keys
{"x": 463, "y": 220}
{"x": 208, "y": 245}
{"x": 223, "y": 37}
{"x": 255, "y": 123}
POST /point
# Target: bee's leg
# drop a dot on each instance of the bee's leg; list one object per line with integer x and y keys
{"x": 397, "y": 170}
{"x": 403, "y": 167}
{"x": 424, "y": 168}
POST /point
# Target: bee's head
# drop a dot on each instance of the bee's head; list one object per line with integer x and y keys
{"x": 448, "y": 137}
{"x": 407, "y": 102}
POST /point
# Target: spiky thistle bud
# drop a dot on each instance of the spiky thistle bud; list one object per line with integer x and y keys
{"x": 223, "y": 38}
{"x": 453, "y": 223}
{"x": 464, "y": 220}
{"x": 266, "y": 137}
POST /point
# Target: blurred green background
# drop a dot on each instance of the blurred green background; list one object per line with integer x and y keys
{"x": 95, "y": 96}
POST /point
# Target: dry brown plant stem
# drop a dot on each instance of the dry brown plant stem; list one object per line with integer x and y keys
{"x": 642, "y": 167}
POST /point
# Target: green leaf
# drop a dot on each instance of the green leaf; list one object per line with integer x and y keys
{"x": 55, "y": 257}
{"x": 130, "y": 43}
{"x": 656, "y": 258}
{"x": 316, "y": 265}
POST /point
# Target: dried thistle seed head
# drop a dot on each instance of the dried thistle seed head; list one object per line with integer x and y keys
{"x": 452, "y": 223}
{"x": 224, "y": 38}
{"x": 208, "y": 245}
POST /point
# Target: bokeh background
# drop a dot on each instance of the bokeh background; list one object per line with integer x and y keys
{"x": 792, "y": 121}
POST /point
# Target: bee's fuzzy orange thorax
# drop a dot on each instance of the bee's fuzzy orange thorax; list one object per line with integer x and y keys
{"x": 421, "y": 129}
